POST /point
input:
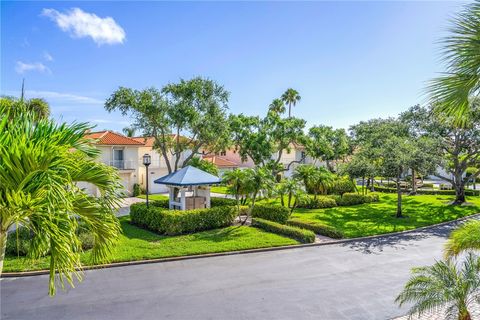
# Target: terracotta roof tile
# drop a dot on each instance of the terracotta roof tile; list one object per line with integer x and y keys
{"x": 220, "y": 162}
{"x": 112, "y": 138}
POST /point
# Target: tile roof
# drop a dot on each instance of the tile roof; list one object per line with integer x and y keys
{"x": 147, "y": 141}
{"x": 220, "y": 162}
{"x": 112, "y": 138}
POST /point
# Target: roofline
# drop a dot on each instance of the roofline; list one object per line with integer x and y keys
{"x": 188, "y": 184}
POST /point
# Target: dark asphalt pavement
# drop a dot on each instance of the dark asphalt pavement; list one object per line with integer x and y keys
{"x": 357, "y": 280}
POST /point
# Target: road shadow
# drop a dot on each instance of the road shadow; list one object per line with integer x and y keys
{"x": 402, "y": 241}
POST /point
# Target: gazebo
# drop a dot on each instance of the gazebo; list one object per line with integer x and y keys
{"x": 192, "y": 180}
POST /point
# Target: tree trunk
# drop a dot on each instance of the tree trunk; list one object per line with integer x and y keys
{"x": 414, "y": 184}
{"x": 3, "y": 245}
{"x": 363, "y": 185}
{"x": 459, "y": 186}
{"x": 372, "y": 185}
{"x": 399, "y": 198}
{"x": 289, "y": 199}
{"x": 463, "y": 314}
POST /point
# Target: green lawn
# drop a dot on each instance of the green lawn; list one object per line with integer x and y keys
{"x": 137, "y": 244}
{"x": 378, "y": 218}
{"x": 154, "y": 196}
{"x": 219, "y": 189}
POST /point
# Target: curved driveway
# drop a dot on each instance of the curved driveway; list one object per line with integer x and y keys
{"x": 357, "y": 280}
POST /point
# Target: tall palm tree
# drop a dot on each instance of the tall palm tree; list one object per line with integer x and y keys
{"x": 291, "y": 97}
{"x": 461, "y": 52}
{"x": 129, "y": 131}
{"x": 39, "y": 107}
{"x": 277, "y": 106}
{"x": 444, "y": 286}
{"x": 41, "y": 163}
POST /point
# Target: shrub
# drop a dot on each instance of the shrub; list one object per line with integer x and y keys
{"x": 136, "y": 190}
{"x": 341, "y": 186}
{"x": 427, "y": 185}
{"x": 271, "y": 212}
{"x": 173, "y": 222}
{"x": 318, "y": 203}
{"x": 317, "y": 227}
{"x": 221, "y": 202}
{"x": 87, "y": 239}
{"x": 468, "y": 192}
{"x": 161, "y": 203}
{"x": 351, "y": 199}
{"x": 302, "y": 235}
{"x": 24, "y": 240}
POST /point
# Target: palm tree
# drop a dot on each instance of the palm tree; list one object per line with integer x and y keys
{"x": 129, "y": 131}
{"x": 39, "y": 107}
{"x": 293, "y": 190}
{"x": 235, "y": 180}
{"x": 307, "y": 173}
{"x": 462, "y": 57}
{"x": 277, "y": 106}
{"x": 443, "y": 285}
{"x": 290, "y": 97}
{"x": 41, "y": 163}
{"x": 465, "y": 238}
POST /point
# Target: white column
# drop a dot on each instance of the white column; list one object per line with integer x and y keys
{"x": 170, "y": 197}
{"x": 182, "y": 199}
{"x": 207, "y": 196}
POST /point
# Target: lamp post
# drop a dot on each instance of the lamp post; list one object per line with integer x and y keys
{"x": 147, "y": 160}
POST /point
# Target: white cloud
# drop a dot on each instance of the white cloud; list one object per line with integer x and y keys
{"x": 63, "y": 97}
{"x": 81, "y": 24}
{"x": 22, "y": 67}
{"x": 47, "y": 56}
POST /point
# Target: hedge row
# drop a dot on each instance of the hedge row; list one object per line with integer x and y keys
{"x": 214, "y": 202}
{"x": 271, "y": 212}
{"x": 174, "y": 222}
{"x": 302, "y": 235}
{"x": 317, "y": 227}
{"x": 468, "y": 192}
{"x": 348, "y": 199}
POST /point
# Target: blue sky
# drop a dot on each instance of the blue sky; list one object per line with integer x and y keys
{"x": 350, "y": 61}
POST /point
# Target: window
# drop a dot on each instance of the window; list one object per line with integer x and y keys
{"x": 118, "y": 160}
{"x": 223, "y": 153}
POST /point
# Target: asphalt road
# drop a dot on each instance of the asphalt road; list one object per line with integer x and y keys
{"x": 356, "y": 280}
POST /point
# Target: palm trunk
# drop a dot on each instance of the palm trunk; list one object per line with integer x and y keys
{"x": 3, "y": 245}
{"x": 399, "y": 198}
{"x": 463, "y": 314}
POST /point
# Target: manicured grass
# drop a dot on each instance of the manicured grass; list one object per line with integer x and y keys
{"x": 153, "y": 196}
{"x": 379, "y": 218}
{"x": 137, "y": 244}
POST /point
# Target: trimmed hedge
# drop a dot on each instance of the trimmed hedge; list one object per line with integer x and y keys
{"x": 351, "y": 199}
{"x": 341, "y": 186}
{"x": 214, "y": 202}
{"x": 468, "y": 192}
{"x": 174, "y": 222}
{"x": 302, "y": 235}
{"x": 317, "y": 227}
{"x": 318, "y": 203}
{"x": 271, "y": 212}
{"x": 427, "y": 185}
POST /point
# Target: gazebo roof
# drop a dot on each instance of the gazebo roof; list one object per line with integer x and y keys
{"x": 189, "y": 176}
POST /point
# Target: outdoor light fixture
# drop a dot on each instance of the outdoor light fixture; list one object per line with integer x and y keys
{"x": 147, "y": 160}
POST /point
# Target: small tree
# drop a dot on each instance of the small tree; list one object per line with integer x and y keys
{"x": 443, "y": 285}
{"x": 204, "y": 165}
{"x": 359, "y": 168}
{"x": 236, "y": 182}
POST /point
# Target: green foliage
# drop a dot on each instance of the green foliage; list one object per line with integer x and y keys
{"x": 427, "y": 185}
{"x": 446, "y": 284}
{"x": 173, "y": 222}
{"x": 466, "y": 237}
{"x": 136, "y": 190}
{"x": 41, "y": 163}
{"x": 317, "y": 227}
{"x": 197, "y": 106}
{"x": 20, "y": 247}
{"x": 351, "y": 199}
{"x": 468, "y": 192}
{"x": 316, "y": 180}
{"x": 290, "y": 97}
{"x": 302, "y": 235}
{"x": 38, "y": 107}
{"x": 341, "y": 185}
{"x": 271, "y": 212}
{"x": 204, "y": 165}
{"x": 221, "y": 202}
{"x": 327, "y": 144}
{"x": 317, "y": 203}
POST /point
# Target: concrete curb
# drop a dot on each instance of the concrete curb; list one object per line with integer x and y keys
{"x": 230, "y": 253}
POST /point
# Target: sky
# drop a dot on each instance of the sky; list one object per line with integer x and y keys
{"x": 350, "y": 61}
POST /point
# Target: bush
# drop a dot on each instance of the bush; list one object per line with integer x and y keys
{"x": 24, "y": 240}
{"x": 351, "y": 199}
{"x": 427, "y": 185}
{"x": 136, "y": 190}
{"x": 319, "y": 203}
{"x": 221, "y": 202}
{"x": 302, "y": 235}
{"x": 174, "y": 222}
{"x": 87, "y": 239}
{"x": 468, "y": 192}
{"x": 317, "y": 227}
{"x": 271, "y": 212}
{"x": 341, "y": 186}
{"x": 161, "y": 203}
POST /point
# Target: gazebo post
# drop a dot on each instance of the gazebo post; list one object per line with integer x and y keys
{"x": 170, "y": 197}
{"x": 207, "y": 197}
{"x": 182, "y": 199}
